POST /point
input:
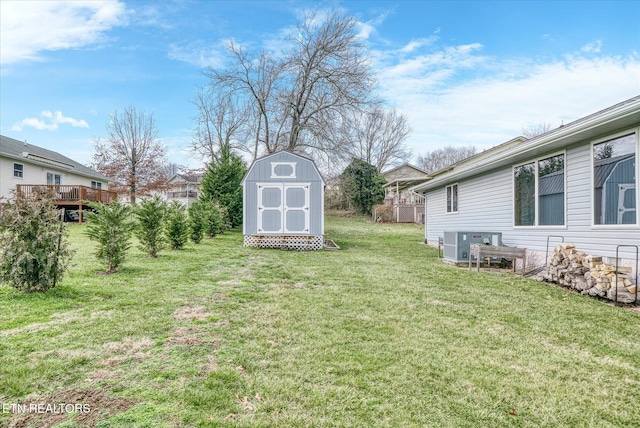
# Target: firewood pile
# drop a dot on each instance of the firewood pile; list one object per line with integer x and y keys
{"x": 589, "y": 274}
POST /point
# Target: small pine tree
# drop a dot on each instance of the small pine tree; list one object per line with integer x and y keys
{"x": 110, "y": 226}
{"x": 150, "y": 215}
{"x": 197, "y": 221}
{"x": 177, "y": 226}
{"x": 35, "y": 251}
{"x": 217, "y": 219}
{"x": 222, "y": 183}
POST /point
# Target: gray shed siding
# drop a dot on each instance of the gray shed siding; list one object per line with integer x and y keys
{"x": 283, "y": 182}
{"x": 485, "y": 203}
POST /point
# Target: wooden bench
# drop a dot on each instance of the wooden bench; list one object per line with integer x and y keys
{"x": 482, "y": 251}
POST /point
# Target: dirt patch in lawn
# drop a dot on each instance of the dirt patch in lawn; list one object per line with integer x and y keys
{"x": 191, "y": 336}
{"x": 128, "y": 348}
{"x": 90, "y": 406}
{"x": 191, "y": 313}
{"x": 129, "y": 345}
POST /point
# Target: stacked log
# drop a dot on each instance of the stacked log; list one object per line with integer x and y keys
{"x": 589, "y": 274}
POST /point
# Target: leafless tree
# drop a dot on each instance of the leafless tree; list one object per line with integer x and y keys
{"x": 172, "y": 169}
{"x": 295, "y": 99}
{"x": 442, "y": 158}
{"x": 328, "y": 76}
{"x": 251, "y": 82}
{"x": 131, "y": 154}
{"x": 535, "y": 130}
{"x": 218, "y": 124}
{"x": 378, "y": 137}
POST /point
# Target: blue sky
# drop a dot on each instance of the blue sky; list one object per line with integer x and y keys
{"x": 464, "y": 72}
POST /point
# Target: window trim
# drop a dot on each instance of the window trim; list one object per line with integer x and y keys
{"x": 535, "y": 224}
{"x": 96, "y": 185}
{"x": 592, "y": 198}
{"x": 446, "y": 198}
{"x": 21, "y": 176}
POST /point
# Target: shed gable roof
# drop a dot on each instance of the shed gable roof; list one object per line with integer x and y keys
{"x": 277, "y": 155}
{"x": 29, "y": 153}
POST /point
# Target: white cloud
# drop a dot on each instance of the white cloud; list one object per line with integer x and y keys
{"x": 54, "y": 120}
{"x": 594, "y": 47}
{"x": 30, "y": 27}
{"x": 418, "y": 43}
{"x": 198, "y": 54}
{"x": 454, "y": 95}
{"x": 366, "y": 29}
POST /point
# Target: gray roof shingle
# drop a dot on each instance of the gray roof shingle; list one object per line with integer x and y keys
{"x": 24, "y": 152}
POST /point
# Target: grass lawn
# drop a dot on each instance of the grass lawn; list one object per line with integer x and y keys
{"x": 379, "y": 333}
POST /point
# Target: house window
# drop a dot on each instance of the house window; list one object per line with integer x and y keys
{"x": 615, "y": 181}
{"x": 18, "y": 170}
{"x": 96, "y": 185}
{"x": 539, "y": 196}
{"x": 452, "y": 198}
{"x": 53, "y": 179}
{"x": 551, "y": 191}
{"x": 525, "y": 194}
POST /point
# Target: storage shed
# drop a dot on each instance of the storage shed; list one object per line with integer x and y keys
{"x": 283, "y": 203}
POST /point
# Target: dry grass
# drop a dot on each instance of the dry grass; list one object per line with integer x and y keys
{"x": 379, "y": 333}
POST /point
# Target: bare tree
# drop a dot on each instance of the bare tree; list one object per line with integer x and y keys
{"x": 218, "y": 124}
{"x": 296, "y": 99}
{"x": 250, "y": 83}
{"x": 131, "y": 154}
{"x": 329, "y": 75}
{"x": 172, "y": 168}
{"x": 535, "y": 130}
{"x": 442, "y": 158}
{"x": 379, "y": 136}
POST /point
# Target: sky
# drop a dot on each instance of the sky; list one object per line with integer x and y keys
{"x": 463, "y": 72}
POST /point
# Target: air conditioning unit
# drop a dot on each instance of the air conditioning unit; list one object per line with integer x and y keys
{"x": 457, "y": 244}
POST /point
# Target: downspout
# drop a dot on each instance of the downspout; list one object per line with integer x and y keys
{"x": 425, "y": 220}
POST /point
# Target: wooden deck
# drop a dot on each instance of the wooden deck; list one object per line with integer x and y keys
{"x": 69, "y": 196}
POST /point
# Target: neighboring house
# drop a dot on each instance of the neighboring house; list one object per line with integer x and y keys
{"x": 25, "y": 168}
{"x": 184, "y": 188}
{"x": 408, "y": 206}
{"x": 579, "y": 181}
{"x": 283, "y": 203}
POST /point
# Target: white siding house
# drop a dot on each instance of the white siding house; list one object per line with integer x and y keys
{"x": 26, "y": 168}
{"x": 579, "y": 181}
{"x": 407, "y": 204}
{"x": 184, "y": 188}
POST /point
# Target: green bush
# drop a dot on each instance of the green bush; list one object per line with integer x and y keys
{"x": 362, "y": 184}
{"x": 150, "y": 216}
{"x": 217, "y": 219}
{"x": 110, "y": 226}
{"x": 35, "y": 252}
{"x": 197, "y": 221}
{"x": 177, "y": 226}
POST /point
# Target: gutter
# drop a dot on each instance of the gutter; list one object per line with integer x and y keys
{"x": 499, "y": 153}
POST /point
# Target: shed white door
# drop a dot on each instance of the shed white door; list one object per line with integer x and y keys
{"x": 283, "y": 208}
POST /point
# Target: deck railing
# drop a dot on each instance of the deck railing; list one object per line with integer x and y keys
{"x": 68, "y": 193}
{"x": 182, "y": 194}
{"x": 405, "y": 199}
